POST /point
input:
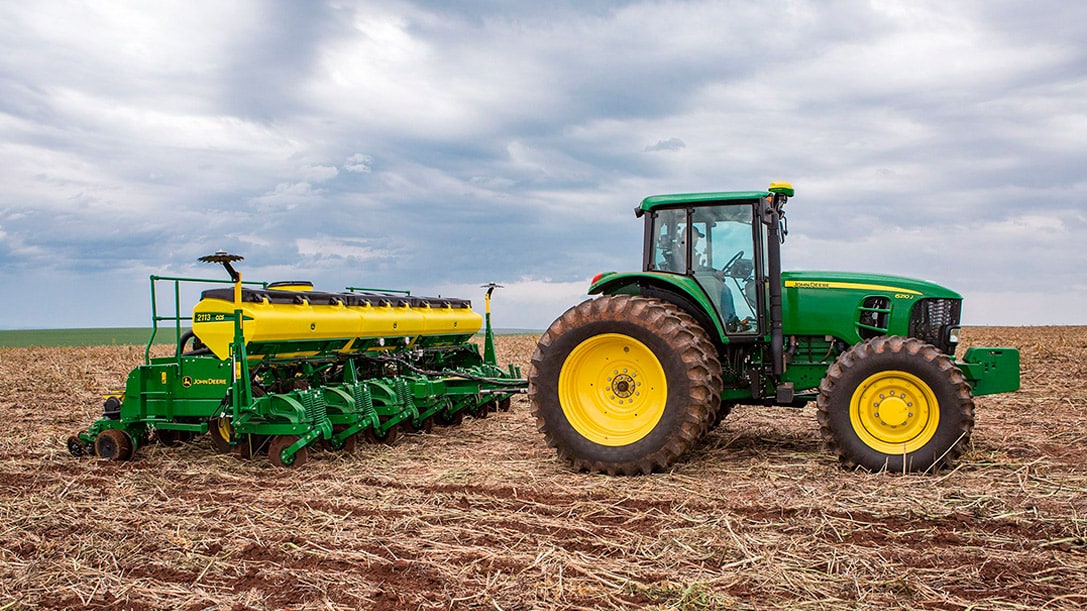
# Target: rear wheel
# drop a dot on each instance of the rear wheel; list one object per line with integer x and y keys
{"x": 895, "y": 404}
{"x": 113, "y": 444}
{"x": 624, "y": 385}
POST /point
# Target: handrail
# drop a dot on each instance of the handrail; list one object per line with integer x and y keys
{"x": 398, "y": 291}
{"x": 177, "y": 317}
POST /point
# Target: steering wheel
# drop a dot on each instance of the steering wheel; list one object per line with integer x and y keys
{"x": 731, "y": 262}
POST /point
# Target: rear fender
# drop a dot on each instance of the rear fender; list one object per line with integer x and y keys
{"x": 683, "y": 291}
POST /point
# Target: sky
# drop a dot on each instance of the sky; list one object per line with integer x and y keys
{"x": 436, "y": 146}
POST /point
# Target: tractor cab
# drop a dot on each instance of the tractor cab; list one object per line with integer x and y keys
{"x": 720, "y": 247}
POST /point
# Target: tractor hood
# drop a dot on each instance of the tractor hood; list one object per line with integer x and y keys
{"x": 866, "y": 283}
{"x": 853, "y": 306}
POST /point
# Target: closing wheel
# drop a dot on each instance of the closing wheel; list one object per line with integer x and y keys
{"x": 221, "y": 433}
{"x": 389, "y": 437}
{"x": 348, "y": 445}
{"x": 455, "y": 419}
{"x": 280, "y": 443}
{"x": 113, "y": 444}
{"x": 426, "y": 425}
{"x": 895, "y": 404}
{"x": 480, "y": 411}
{"x": 624, "y": 385}
{"x": 76, "y": 447}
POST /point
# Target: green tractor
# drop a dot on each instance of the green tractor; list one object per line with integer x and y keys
{"x": 628, "y": 382}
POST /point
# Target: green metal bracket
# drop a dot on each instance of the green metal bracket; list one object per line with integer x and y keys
{"x": 991, "y": 370}
{"x": 489, "y": 355}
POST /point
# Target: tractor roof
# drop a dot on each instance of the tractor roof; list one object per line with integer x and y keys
{"x": 654, "y": 202}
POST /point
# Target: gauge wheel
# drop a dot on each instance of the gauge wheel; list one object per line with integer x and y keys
{"x": 221, "y": 433}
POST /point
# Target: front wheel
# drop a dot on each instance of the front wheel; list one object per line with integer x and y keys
{"x": 896, "y": 404}
{"x": 624, "y": 385}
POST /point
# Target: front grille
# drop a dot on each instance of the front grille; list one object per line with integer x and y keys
{"x": 931, "y": 317}
{"x": 872, "y": 316}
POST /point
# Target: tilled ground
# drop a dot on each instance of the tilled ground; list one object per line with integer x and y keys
{"x": 483, "y": 515}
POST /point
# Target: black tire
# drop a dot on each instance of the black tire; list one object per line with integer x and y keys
{"x": 113, "y": 444}
{"x": 928, "y": 409}
{"x": 455, "y": 419}
{"x": 722, "y": 413}
{"x": 663, "y": 334}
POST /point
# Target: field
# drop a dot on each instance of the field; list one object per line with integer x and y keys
{"x": 85, "y": 337}
{"x": 482, "y": 516}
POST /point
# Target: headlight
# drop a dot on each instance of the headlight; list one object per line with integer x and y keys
{"x": 953, "y": 335}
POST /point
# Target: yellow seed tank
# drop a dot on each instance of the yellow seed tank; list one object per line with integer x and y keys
{"x": 291, "y": 319}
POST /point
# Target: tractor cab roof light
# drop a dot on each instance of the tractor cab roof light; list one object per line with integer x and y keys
{"x": 782, "y": 188}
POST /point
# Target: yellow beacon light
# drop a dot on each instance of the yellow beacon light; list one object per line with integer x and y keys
{"x": 781, "y": 188}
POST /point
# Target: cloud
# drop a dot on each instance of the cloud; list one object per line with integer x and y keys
{"x": 511, "y": 140}
{"x": 287, "y": 196}
{"x": 325, "y": 247}
{"x": 319, "y": 173}
{"x": 671, "y": 144}
{"x": 359, "y": 163}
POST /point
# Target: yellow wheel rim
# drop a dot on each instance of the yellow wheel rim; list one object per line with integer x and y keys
{"x": 225, "y": 431}
{"x": 894, "y": 412}
{"x": 612, "y": 389}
